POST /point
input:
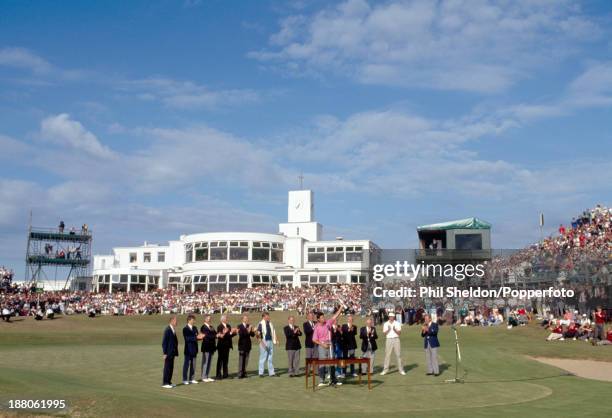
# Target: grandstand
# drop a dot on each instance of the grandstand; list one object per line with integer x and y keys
{"x": 56, "y": 259}
{"x": 578, "y": 257}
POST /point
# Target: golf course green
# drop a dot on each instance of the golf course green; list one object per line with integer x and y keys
{"x": 112, "y": 366}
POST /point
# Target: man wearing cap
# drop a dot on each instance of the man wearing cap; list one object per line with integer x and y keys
{"x": 392, "y": 331}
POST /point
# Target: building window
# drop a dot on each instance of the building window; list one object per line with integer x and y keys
{"x": 335, "y": 254}
{"x": 200, "y": 279}
{"x": 358, "y": 278}
{"x": 354, "y": 253}
{"x": 161, "y": 257}
{"x": 259, "y": 280}
{"x": 201, "y": 251}
{"x": 146, "y": 257}
{"x": 222, "y": 278}
{"x": 133, "y": 257}
{"x": 261, "y": 251}
{"x": 188, "y": 253}
{"x": 468, "y": 242}
{"x": 218, "y": 250}
{"x": 239, "y": 250}
{"x": 277, "y": 252}
{"x": 318, "y": 279}
{"x": 316, "y": 255}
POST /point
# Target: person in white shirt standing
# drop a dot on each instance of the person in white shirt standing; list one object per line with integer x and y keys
{"x": 392, "y": 330}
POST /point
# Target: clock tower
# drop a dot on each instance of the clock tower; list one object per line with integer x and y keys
{"x": 301, "y": 206}
{"x": 300, "y": 217}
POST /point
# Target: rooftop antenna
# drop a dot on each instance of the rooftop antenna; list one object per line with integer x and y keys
{"x": 301, "y": 178}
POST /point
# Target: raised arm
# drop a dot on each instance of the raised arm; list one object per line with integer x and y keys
{"x": 337, "y": 313}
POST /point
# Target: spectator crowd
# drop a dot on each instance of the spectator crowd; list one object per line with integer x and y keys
{"x": 165, "y": 301}
{"x": 6, "y": 279}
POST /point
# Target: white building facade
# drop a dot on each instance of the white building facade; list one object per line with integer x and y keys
{"x": 222, "y": 261}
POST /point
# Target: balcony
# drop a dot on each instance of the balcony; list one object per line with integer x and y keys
{"x": 452, "y": 256}
{"x": 47, "y": 234}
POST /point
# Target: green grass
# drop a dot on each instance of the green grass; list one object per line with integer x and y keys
{"x": 111, "y": 367}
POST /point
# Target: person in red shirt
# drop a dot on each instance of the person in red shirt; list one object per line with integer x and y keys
{"x": 561, "y": 229}
{"x": 572, "y": 331}
{"x": 600, "y": 320}
{"x": 607, "y": 341}
{"x": 556, "y": 334}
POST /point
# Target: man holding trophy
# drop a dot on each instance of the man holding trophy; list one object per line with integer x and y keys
{"x": 322, "y": 338}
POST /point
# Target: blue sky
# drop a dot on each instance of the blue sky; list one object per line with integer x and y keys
{"x": 155, "y": 118}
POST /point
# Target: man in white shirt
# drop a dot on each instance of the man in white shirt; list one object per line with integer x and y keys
{"x": 392, "y": 330}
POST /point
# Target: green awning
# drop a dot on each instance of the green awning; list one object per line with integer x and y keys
{"x": 468, "y": 223}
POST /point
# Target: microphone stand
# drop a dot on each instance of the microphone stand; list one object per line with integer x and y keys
{"x": 457, "y": 379}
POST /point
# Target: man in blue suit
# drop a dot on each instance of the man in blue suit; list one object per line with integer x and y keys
{"x": 170, "y": 350}
{"x": 429, "y": 332}
{"x": 191, "y": 335}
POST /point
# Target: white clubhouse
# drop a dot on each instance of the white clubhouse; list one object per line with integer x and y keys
{"x": 220, "y": 261}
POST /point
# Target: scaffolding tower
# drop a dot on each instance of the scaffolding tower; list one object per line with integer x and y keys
{"x": 54, "y": 254}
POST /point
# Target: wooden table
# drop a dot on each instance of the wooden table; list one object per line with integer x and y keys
{"x": 314, "y": 363}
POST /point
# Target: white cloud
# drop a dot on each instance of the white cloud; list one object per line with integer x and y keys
{"x": 593, "y": 87}
{"x": 475, "y": 45}
{"x": 23, "y": 58}
{"x": 187, "y": 95}
{"x": 11, "y": 148}
{"x": 41, "y": 69}
{"x": 199, "y": 153}
{"x": 63, "y": 130}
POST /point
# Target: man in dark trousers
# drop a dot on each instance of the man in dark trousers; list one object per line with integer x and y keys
{"x": 293, "y": 346}
{"x": 170, "y": 350}
{"x": 308, "y": 326}
{"x": 245, "y": 332}
{"x": 368, "y": 338}
{"x": 191, "y": 335}
{"x": 224, "y": 345}
{"x": 349, "y": 344}
{"x": 209, "y": 345}
{"x": 429, "y": 332}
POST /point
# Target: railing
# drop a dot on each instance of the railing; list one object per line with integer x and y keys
{"x": 55, "y": 234}
{"x": 42, "y": 259}
{"x": 450, "y": 254}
